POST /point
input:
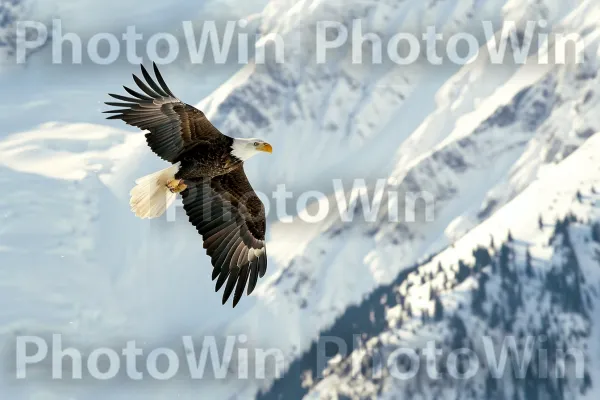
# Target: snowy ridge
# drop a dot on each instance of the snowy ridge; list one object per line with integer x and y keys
{"x": 339, "y": 107}
{"x": 543, "y": 280}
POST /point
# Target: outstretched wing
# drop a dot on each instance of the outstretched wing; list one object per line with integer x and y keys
{"x": 174, "y": 126}
{"x": 231, "y": 219}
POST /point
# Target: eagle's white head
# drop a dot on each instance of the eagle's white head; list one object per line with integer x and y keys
{"x": 246, "y": 148}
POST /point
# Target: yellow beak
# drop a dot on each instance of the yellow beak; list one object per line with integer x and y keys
{"x": 266, "y": 147}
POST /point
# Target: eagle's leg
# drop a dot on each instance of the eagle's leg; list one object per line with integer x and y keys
{"x": 176, "y": 185}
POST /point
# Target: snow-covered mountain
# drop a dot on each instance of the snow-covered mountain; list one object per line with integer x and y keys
{"x": 531, "y": 270}
{"x": 492, "y": 147}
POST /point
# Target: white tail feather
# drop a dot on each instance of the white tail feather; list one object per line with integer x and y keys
{"x": 151, "y": 197}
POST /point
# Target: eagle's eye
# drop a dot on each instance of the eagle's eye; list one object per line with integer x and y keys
{"x": 256, "y": 143}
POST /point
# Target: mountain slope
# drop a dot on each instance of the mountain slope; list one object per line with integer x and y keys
{"x": 542, "y": 282}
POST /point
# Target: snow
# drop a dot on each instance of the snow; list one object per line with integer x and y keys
{"x": 483, "y": 140}
{"x": 544, "y": 198}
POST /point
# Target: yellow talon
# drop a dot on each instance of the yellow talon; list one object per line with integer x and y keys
{"x": 176, "y": 185}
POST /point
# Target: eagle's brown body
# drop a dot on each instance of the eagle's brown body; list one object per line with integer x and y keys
{"x": 207, "y": 160}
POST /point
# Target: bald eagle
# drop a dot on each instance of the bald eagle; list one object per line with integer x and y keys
{"x": 208, "y": 172}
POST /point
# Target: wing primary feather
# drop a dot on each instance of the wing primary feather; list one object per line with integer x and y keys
{"x": 241, "y": 285}
{"x": 233, "y": 261}
{"x": 262, "y": 263}
{"x": 136, "y": 94}
{"x": 123, "y": 98}
{"x": 221, "y": 228}
{"x": 233, "y": 275}
{"x": 253, "y": 276}
{"x": 161, "y": 81}
{"x": 222, "y": 278}
{"x": 120, "y": 110}
{"x": 216, "y": 241}
{"x": 225, "y": 261}
{"x": 151, "y": 82}
{"x": 223, "y": 249}
{"x": 211, "y": 250}
{"x": 118, "y": 104}
{"x": 145, "y": 88}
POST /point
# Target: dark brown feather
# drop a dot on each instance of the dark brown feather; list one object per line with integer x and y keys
{"x": 235, "y": 243}
{"x": 174, "y": 127}
{"x": 219, "y": 200}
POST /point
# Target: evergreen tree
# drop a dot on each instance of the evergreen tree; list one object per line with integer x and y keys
{"x": 541, "y": 222}
{"x": 478, "y": 296}
{"x": 463, "y": 271}
{"x": 509, "y": 238}
{"x": 491, "y": 387}
{"x": 579, "y": 196}
{"x": 438, "y": 309}
{"x": 504, "y": 260}
{"x": 482, "y": 258}
{"x": 560, "y": 227}
{"x": 528, "y": 266}
{"x": 496, "y": 317}
{"x": 596, "y": 232}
